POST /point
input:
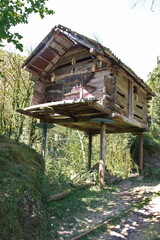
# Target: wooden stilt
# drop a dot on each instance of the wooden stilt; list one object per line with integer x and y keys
{"x": 44, "y": 126}
{"x": 141, "y": 154}
{"x": 89, "y": 150}
{"x": 44, "y": 138}
{"x": 102, "y": 155}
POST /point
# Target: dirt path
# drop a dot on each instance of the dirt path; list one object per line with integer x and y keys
{"x": 142, "y": 224}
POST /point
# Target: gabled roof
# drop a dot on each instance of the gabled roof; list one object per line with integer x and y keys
{"x": 62, "y": 39}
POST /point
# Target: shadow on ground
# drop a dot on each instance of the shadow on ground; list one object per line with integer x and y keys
{"x": 85, "y": 208}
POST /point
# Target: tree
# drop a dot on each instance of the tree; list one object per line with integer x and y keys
{"x": 16, "y": 88}
{"x": 154, "y": 83}
{"x": 14, "y": 12}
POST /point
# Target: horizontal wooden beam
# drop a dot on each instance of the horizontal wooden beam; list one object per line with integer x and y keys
{"x": 101, "y": 57}
{"x": 41, "y": 69}
{"x": 40, "y": 76}
{"x": 72, "y": 120}
{"x": 97, "y": 106}
{"x": 66, "y": 38}
{"x": 86, "y": 102}
{"x": 46, "y": 60}
{"x": 59, "y": 44}
{"x": 54, "y": 51}
{"x": 132, "y": 122}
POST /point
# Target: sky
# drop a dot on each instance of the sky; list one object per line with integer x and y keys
{"x": 133, "y": 35}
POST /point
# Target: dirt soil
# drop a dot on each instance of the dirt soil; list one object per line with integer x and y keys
{"x": 141, "y": 224}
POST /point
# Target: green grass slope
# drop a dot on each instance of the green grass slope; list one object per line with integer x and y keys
{"x": 21, "y": 175}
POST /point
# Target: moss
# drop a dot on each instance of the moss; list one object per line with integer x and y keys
{"x": 21, "y": 177}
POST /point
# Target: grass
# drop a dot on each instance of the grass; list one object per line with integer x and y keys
{"x": 73, "y": 215}
{"x": 23, "y": 215}
{"x": 74, "y": 209}
{"x": 21, "y": 177}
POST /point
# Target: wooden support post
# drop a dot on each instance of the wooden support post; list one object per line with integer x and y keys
{"x": 89, "y": 150}
{"x": 102, "y": 155}
{"x": 44, "y": 138}
{"x": 44, "y": 126}
{"x": 141, "y": 154}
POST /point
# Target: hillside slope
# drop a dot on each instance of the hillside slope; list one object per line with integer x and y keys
{"x": 21, "y": 175}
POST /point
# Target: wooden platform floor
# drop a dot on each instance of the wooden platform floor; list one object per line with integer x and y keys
{"x": 85, "y": 115}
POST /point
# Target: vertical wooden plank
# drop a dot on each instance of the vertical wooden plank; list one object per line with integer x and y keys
{"x": 130, "y": 99}
{"x": 105, "y": 91}
{"x": 141, "y": 154}
{"x": 81, "y": 88}
{"x": 89, "y": 150}
{"x": 112, "y": 93}
{"x": 108, "y": 100}
{"x": 102, "y": 155}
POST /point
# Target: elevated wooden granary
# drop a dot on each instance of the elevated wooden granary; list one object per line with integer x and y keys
{"x": 82, "y": 85}
{"x": 79, "y": 84}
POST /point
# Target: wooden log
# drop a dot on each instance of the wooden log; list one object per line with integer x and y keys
{"x": 101, "y": 57}
{"x": 58, "y": 196}
{"x": 84, "y": 184}
{"x": 102, "y": 155}
{"x": 141, "y": 154}
{"x": 81, "y": 184}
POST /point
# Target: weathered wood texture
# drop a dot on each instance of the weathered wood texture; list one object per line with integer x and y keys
{"x": 140, "y": 105}
{"x": 39, "y": 93}
{"x": 121, "y": 95}
{"x": 77, "y": 75}
{"x": 58, "y": 196}
{"x": 73, "y": 73}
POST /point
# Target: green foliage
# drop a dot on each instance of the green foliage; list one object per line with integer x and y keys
{"x": 154, "y": 83}
{"x": 56, "y": 179}
{"x": 151, "y": 154}
{"x": 118, "y": 159}
{"x": 151, "y": 172}
{"x": 17, "y": 12}
{"x": 16, "y": 87}
{"x": 21, "y": 177}
{"x": 69, "y": 148}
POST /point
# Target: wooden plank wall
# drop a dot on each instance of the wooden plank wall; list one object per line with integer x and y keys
{"x": 39, "y": 93}
{"x": 140, "y": 111}
{"x": 77, "y": 75}
{"x": 121, "y": 95}
{"x": 131, "y": 99}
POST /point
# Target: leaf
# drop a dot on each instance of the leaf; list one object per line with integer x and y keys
{"x": 15, "y": 12}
